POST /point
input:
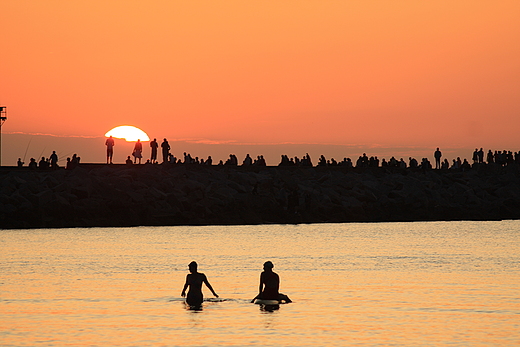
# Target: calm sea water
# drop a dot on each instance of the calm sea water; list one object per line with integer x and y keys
{"x": 402, "y": 284}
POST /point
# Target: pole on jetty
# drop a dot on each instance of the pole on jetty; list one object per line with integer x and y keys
{"x": 3, "y": 118}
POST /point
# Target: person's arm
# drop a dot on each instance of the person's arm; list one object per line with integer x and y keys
{"x": 209, "y": 286}
{"x": 183, "y": 294}
{"x": 260, "y": 287}
{"x": 262, "y": 283}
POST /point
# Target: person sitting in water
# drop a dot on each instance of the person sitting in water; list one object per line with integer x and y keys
{"x": 269, "y": 285}
{"x": 194, "y": 280}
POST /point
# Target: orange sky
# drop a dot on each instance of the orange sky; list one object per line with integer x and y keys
{"x": 356, "y": 73}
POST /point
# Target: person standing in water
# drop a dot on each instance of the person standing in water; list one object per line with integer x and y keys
{"x": 270, "y": 285}
{"x": 194, "y": 281}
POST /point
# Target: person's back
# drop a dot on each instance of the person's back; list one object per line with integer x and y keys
{"x": 271, "y": 282}
{"x": 194, "y": 282}
{"x": 165, "y": 146}
{"x": 165, "y": 150}
{"x": 481, "y": 156}
{"x": 154, "y": 145}
{"x": 42, "y": 164}
{"x": 270, "y": 285}
{"x": 248, "y": 160}
{"x": 54, "y": 160}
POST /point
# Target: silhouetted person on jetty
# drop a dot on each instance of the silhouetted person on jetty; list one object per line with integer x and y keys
{"x": 322, "y": 161}
{"x": 306, "y": 161}
{"x": 54, "y": 160}
{"x": 110, "y": 149}
{"x": 43, "y": 164}
{"x": 247, "y": 160}
{"x": 153, "y": 156}
{"x": 285, "y": 161}
{"x": 475, "y": 156}
{"x": 75, "y": 160}
{"x": 194, "y": 281}
{"x": 438, "y": 156}
{"x": 138, "y": 151}
{"x": 232, "y": 161}
{"x": 129, "y": 161}
{"x": 33, "y": 164}
{"x": 19, "y": 163}
{"x": 480, "y": 156}
{"x": 259, "y": 161}
{"x": 165, "y": 146}
{"x": 270, "y": 285}
{"x": 490, "y": 157}
{"x": 188, "y": 159}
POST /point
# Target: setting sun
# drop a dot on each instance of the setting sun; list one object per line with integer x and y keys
{"x": 128, "y": 132}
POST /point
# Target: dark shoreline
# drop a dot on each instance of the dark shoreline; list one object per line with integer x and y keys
{"x": 99, "y": 195}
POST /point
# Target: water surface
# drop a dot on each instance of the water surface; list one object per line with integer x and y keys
{"x": 406, "y": 284}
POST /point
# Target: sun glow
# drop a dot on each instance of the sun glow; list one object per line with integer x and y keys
{"x": 128, "y": 132}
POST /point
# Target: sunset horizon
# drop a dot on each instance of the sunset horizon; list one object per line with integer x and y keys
{"x": 377, "y": 74}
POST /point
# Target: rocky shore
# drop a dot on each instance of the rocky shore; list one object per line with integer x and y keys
{"x": 95, "y": 195}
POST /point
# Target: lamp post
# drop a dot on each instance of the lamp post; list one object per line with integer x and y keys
{"x": 3, "y": 118}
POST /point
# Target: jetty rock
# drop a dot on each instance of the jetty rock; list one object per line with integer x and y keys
{"x": 96, "y": 195}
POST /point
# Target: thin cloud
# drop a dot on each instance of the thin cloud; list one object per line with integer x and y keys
{"x": 52, "y": 135}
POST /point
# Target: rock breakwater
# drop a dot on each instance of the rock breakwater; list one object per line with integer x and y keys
{"x": 116, "y": 195}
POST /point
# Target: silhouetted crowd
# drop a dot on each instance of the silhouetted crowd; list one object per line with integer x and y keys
{"x": 479, "y": 157}
{"x": 497, "y": 158}
{"x": 50, "y": 163}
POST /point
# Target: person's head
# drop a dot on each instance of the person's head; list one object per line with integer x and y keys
{"x": 193, "y": 267}
{"x": 268, "y": 266}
